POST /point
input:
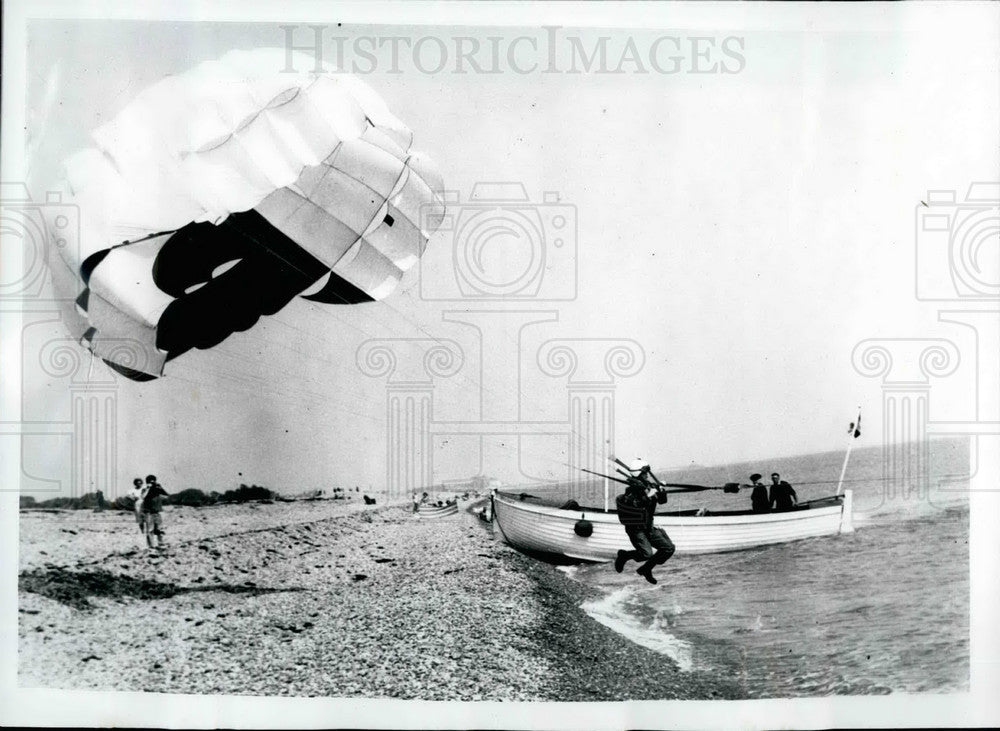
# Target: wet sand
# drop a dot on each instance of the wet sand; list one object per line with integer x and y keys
{"x": 317, "y": 598}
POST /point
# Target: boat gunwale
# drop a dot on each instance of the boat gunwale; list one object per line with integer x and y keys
{"x": 717, "y": 518}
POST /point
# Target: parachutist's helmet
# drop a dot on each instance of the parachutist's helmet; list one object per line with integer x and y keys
{"x": 639, "y": 464}
{"x": 137, "y": 481}
{"x": 150, "y": 479}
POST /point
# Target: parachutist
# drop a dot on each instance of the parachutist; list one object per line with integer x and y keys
{"x": 636, "y": 508}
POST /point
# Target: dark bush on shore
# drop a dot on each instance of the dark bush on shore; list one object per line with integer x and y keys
{"x": 191, "y": 497}
{"x": 244, "y": 494}
{"x": 87, "y": 501}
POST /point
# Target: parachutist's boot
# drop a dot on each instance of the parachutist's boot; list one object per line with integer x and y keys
{"x": 646, "y": 571}
{"x": 621, "y": 560}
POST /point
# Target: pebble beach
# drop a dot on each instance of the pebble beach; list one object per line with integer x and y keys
{"x": 318, "y": 598}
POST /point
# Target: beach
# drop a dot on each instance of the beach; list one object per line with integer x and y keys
{"x": 318, "y": 598}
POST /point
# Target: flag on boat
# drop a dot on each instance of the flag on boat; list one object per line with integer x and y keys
{"x": 855, "y": 427}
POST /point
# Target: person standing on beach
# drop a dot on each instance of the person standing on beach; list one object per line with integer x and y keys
{"x": 636, "y": 508}
{"x": 152, "y": 511}
{"x": 759, "y": 501}
{"x": 783, "y": 496}
{"x": 136, "y": 494}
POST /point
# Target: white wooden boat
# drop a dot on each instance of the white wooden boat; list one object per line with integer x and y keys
{"x": 565, "y": 533}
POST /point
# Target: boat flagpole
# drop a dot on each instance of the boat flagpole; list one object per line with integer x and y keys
{"x": 853, "y": 432}
{"x": 606, "y": 477}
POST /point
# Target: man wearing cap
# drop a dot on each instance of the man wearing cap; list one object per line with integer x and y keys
{"x": 783, "y": 496}
{"x": 759, "y": 501}
{"x": 636, "y": 508}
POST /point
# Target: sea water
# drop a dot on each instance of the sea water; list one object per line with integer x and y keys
{"x": 885, "y": 609}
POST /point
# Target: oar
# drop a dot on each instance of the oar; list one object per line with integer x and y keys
{"x": 684, "y": 487}
{"x": 681, "y": 486}
{"x": 613, "y": 479}
{"x": 617, "y": 461}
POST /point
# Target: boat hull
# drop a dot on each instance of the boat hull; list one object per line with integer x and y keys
{"x": 553, "y": 531}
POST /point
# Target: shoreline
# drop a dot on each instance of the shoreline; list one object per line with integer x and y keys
{"x": 306, "y": 601}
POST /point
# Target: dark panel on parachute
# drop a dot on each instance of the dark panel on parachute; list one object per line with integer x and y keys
{"x": 272, "y": 269}
{"x": 90, "y": 263}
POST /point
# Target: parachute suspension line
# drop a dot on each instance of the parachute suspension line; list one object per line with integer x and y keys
{"x": 262, "y": 365}
{"x": 243, "y": 386}
{"x": 542, "y": 456}
{"x": 579, "y": 442}
{"x": 318, "y": 358}
{"x": 288, "y": 348}
{"x": 326, "y": 313}
{"x": 257, "y": 389}
{"x": 255, "y": 382}
{"x": 321, "y": 391}
{"x": 314, "y": 398}
{"x": 241, "y": 391}
{"x": 240, "y": 385}
{"x": 466, "y": 378}
{"x": 412, "y": 321}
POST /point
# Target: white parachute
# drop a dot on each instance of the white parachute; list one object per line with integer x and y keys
{"x": 217, "y": 195}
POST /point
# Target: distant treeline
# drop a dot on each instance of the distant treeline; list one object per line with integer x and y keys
{"x": 191, "y": 497}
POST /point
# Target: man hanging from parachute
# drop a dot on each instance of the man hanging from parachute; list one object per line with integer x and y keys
{"x": 636, "y": 507}
{"x": 218, "y": 195}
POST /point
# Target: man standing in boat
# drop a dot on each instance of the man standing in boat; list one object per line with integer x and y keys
{"x": 783, "y": 496}
{"x": 759, "y": 501}
{"x": 636, "y": 508}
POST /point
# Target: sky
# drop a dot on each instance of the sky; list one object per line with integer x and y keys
{"x": 738, "y": 232}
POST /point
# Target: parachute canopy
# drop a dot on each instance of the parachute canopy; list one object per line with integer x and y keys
{"x": 217, "y": 195}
